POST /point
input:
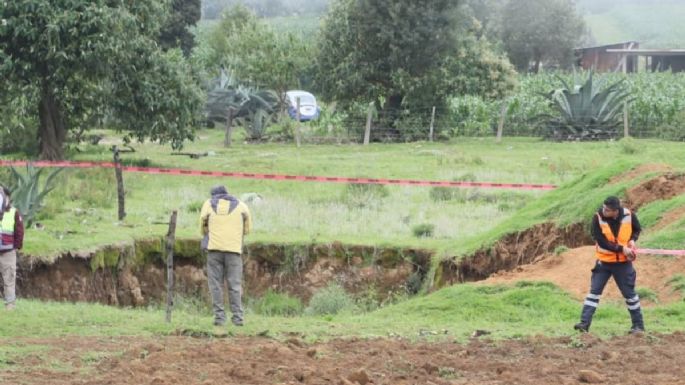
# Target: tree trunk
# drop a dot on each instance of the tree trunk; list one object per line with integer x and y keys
{"x": 52, "y": 132}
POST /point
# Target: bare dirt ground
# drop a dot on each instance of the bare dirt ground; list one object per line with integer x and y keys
{"x": 571, "y": 272}
{"x": 653, "y": 359}
{"x": 641, "y": 170}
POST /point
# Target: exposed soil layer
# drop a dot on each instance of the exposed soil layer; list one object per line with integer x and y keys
{"x": 571, "y": 272}
{"x": 534, "y": 244}
{"x": 653, "y": 359}
{"x": 513, "y": 250}
{"x": 641, "y": 170}
{"x": 116, "y": 278}
{"x": 662, "y": 187}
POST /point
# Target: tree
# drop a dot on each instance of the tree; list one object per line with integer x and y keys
{"x": 174, "y": 32}
{"x": 487, "y": 13}
{"x": 540, "y": 30}
{"x": 398, "y": 53}
{"x": 255, "y": 54}
{"x": 90, "y": 61}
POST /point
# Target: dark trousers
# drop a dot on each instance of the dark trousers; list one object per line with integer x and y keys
{"x": 225, "y": 267}
{"x": 624, "y": 275}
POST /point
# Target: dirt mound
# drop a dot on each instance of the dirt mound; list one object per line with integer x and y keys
{"x": 248, "y": 361}
{"x": 662, "y": 187}
{"x": 571, "y": 272}
{"x": 511, "y": 251}
{"x": 641, "y": 170}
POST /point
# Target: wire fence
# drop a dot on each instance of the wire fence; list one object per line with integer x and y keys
{"x": 445, "y": 123}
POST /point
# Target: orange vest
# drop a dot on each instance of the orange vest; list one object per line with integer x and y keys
{"x": 625, "y": 231}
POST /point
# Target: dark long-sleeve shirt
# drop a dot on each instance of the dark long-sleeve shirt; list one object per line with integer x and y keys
{"x": 615, "y": 225}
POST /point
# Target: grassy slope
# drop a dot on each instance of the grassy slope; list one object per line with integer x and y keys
{"x": 653, "y": 25}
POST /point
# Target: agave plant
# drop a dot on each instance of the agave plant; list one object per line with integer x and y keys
{"x": 27, "y": 195}
{"x": 251, "y": 108}
{"x": 588, "y": 111}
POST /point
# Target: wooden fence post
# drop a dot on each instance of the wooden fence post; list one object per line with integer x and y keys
{"x": 502, "y": 117}
{"x": 120, "y": 184}
{"x": 430, "y": 135}
{"x": 297, "y": 121}
{"x": 367, "y": 131}
{"x": 170, "y": 240}
{"x": 229, "y": 127}
{"x": 626, "y": 128}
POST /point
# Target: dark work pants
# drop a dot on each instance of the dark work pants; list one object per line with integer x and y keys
{"x": 624, "y": 274}
{"x": 225, "y": 267}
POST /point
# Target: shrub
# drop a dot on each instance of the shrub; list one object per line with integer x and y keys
{"x": 628, "y": 145}
{"x": 362, "y": 195}
{"x": 332, "y": 299}
{"x": 560, "y": 250}
{"x": 278, "y": 304}
{"x": 673, "y": 129}
{"x": 424, "y": 230}
{"x": 194, "y": 207}
{"x": 441, "y": 194}
{"x": 367, "y": 300}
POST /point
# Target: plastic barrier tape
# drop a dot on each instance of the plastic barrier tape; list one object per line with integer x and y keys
{"x": 660, "y": 252}
{"x": 244, "y": 175}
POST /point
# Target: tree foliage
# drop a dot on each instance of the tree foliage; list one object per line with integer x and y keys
{"x": 399, "y": 53}
{"x": 90, "y": 61}
{"x": 257, "y": 56}
{"x": 174, "y": 32}
{"x": 540, "y": 30}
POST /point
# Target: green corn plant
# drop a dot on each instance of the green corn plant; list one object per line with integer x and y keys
{"x": 27, "y": 194}
{"x": 587, "y": 111}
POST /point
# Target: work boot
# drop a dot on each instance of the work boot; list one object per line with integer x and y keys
{"x": 636, "y": 330}
{"x": 582, "y": 327}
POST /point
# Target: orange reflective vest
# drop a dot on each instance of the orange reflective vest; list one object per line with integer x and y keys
{"x": 625, "y": 231}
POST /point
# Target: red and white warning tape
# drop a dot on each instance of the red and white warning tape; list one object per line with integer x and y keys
{"x": 660, "y": 252}
{"x": 302, "y": 178}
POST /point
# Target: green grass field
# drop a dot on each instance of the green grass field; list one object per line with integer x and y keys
{"x": 453, "y": 313}
{"x": 81, "y": 214}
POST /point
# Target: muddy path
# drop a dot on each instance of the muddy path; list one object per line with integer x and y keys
{"x": 653, "y": 359}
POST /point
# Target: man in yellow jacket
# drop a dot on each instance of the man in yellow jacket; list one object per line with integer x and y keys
{"x": 615, "y": 230}
{"x": 224, "y": 221}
